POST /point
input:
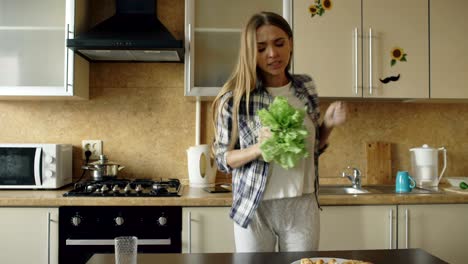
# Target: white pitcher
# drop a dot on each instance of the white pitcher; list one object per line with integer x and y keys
{"x": 425, "y": 165}
{"x": 202, "y": 172}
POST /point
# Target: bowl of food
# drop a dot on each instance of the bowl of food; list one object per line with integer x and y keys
{"x": 456, "y": 181}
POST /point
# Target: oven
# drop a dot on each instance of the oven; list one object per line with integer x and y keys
{"x": 86, "y": 230}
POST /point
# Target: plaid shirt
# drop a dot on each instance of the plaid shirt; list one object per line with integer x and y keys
{"x": 249, "y": 180}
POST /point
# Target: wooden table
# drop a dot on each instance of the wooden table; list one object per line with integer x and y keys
{"x": 404, "y": 256}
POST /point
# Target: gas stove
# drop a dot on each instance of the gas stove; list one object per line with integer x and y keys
{"x": 126, "y": 188}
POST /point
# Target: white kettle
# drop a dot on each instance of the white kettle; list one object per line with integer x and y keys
{"x": 425, "y": 165}
{"x": 202, "y": 172}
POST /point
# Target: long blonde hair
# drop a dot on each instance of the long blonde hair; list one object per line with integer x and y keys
{"x": 245, "y": 78}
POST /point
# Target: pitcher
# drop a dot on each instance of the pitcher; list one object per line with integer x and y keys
{"x": 425, "y": 165}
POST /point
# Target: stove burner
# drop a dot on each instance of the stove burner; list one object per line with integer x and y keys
{"x": 126, "y": 187}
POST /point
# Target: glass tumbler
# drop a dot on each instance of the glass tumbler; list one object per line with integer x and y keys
{"x": 126, "y": 250}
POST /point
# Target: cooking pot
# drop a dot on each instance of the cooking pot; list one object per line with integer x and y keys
{"x": 103, "y": 168}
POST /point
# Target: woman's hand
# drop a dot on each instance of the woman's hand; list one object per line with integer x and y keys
{"x": 238, "y": 157}
{"x": 264, "y": 133}
{"x": 335, "y": 114}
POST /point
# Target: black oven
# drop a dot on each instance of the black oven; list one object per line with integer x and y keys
{"x": 86, "y": 230}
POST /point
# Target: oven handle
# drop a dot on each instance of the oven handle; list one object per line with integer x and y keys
{"x": 110, "y": 242}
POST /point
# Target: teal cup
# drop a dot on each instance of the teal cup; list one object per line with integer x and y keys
{"x": 404, "y": 182}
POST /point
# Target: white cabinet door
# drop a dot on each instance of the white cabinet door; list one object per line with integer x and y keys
{"x": 449, "y": 63}
{"x": 34, "y": 59}
{"x": 396, "y": 24}
{"x": 207, "y": 230}
{"x": 212, "y": 38}
{"x": 357, "y": 227}
{"x": 438, "y": 229}
{"x": 328, "y": 47}
{"x": 347, "y": 47}
{"x": 29, "y": 235}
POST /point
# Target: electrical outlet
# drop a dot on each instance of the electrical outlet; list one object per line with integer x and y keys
{"x": 95, "y": 146}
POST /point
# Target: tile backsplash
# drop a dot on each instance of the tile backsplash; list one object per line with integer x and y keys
{"x": 146, "y": 124}
{"x": 404, "y": 126}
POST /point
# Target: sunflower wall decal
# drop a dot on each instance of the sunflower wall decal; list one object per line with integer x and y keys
{"x": 397, "y": 55}
{"x": 320, "y": 7}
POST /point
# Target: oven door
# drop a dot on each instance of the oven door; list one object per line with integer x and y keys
{"x": 79, "y": 251}
{"x": 85, "y": 231}
{"x": 20, "y": 167}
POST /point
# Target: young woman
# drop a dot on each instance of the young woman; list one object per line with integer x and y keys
{"x": 270, "y": 204}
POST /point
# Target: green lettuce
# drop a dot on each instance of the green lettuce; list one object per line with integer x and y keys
{"x": 288, "y": 142}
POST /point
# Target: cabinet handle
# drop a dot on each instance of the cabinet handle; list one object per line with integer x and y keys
{"x": 356, "y": 60}
{"x": 188, "y": 60}
{"x": 189, "y": 29}
{"x": 406, "y": 227}
{"x": 67, "y": 59}
{"x": 391, "y": 228}
{"x": 48, "y": 237}
{"x": 287, "y": 10}
{"x": 189, "y": 232}
{"x": 370, "y": 61}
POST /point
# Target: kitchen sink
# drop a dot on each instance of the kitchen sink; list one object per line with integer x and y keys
{"x": 390, "y": 189}
{"x": 371, "y": 189}
{"x": 340, "y": 190}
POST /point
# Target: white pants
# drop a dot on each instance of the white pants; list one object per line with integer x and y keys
{"x": 293, "y": 223}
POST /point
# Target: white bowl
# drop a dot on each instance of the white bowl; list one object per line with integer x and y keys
{"x": 455, "y": 181}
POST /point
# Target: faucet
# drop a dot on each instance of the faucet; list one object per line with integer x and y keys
{"x": 355, "y": 178}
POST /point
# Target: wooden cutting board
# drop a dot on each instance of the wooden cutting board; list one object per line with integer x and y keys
{"x": 379, "y": 163}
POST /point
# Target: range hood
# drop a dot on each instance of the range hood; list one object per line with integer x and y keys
{"x": 134, "y": 33}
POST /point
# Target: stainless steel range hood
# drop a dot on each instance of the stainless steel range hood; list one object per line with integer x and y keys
{"x": 134, "y": 33}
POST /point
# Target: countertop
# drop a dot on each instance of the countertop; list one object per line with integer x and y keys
{"x": 412, "y": 256}
{"x": 197, "y": 197}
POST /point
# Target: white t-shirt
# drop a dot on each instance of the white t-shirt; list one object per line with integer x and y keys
{"x": 287, "y": 183}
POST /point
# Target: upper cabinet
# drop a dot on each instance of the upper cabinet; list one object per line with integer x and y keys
{"x": 368, "y": 48}
{"x": 212, "y": 35}
{"x": 34, "y": 60}
{"x": 449, "y": 52}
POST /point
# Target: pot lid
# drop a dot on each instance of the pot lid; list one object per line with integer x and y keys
{"x": 103, "y": 161}
{"x": 424, "y": 147}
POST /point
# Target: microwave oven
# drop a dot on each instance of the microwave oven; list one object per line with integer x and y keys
{"x": 35, "y": 166}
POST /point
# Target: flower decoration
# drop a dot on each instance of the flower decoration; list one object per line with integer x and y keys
{"x": 319, "y": 7}
{"x": 327, "y": 4}
{"x": 313, "y": 10}
{"x": 397, "y": 55}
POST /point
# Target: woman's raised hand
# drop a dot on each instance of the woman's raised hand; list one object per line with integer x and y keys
{"x": 335, "y": 114}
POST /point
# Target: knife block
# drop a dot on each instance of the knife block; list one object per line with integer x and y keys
{"x": 379, "y": 163}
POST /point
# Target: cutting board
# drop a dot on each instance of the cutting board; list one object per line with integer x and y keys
{"x": 456, "y": 190}
{"x": 379, "y": 163}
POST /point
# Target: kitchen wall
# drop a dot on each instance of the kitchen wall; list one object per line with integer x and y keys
{"x": 404, "y": 125}
{"x": 146, "y": 123}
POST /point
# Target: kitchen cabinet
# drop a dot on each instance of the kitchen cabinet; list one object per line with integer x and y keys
{"x": 348, "y": 47}
{"x": 357, "y": 227}
{"x": 34, "y": 60}
{"x": 449, "y": 55}
{"x": 438, "y": 229}
{"x": 212, "y": 38}
{"x": 29, "y": 235}
{"x": 207, "y": 230}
